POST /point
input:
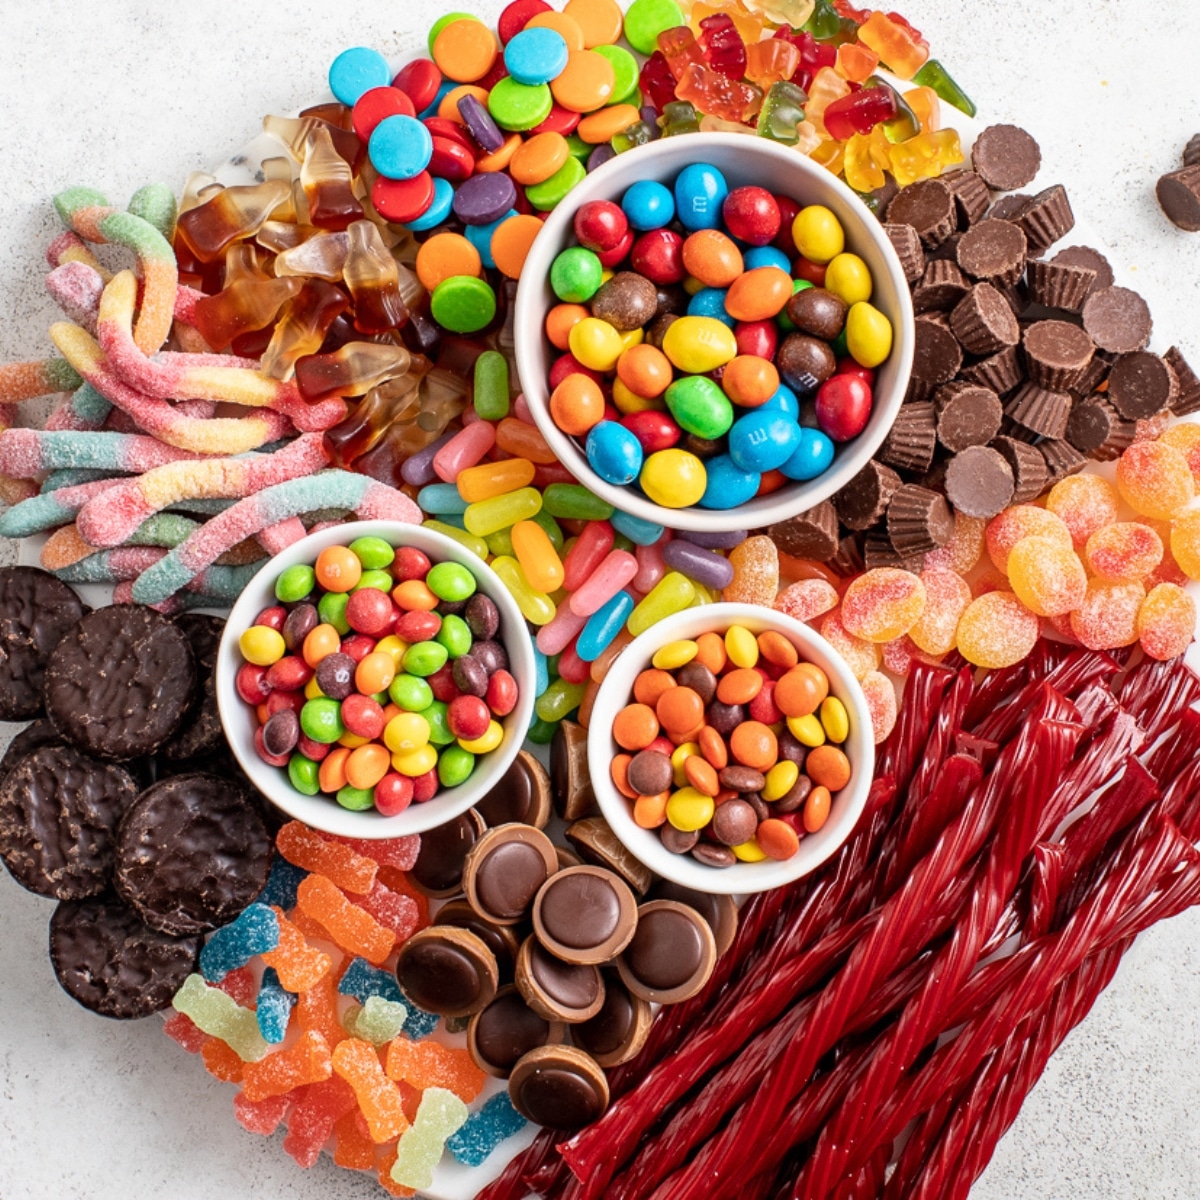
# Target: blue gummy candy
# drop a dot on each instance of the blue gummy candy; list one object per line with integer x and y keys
{"x": 282, "y": 883}
{"x": 419, "y": 1023}
{"x": 484, "y": 1130}
{"x": 255, "y": 931}
{"x": 273, "y": 1008}
{"x": 361, "y": 980}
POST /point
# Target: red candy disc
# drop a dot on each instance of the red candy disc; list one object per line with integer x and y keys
{"x": 561, "y": 120}
{"x": 376, "y": 104}
{"x": 451, "y": 161}
{"x": 419, "y": 80}
{"x": 442, "y": 127}
{"x": 402, "y": 200}
{"x": 516, "y": 16}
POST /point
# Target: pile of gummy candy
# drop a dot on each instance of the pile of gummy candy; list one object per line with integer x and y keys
{"x": 354, "y": 310}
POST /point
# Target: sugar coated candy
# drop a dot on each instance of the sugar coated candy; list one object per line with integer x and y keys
{"x": 862, "y": 657}
{"x": 1085, "y": 503}
{"x": 338, "y": 862}
{"x": 996, "y": 630}
{"x": 1124, "y": 551}
{"x": 273, "y": 1008}
{"x": 362, "y": 981}
{"x": 946, "y": 597}
{"x": 881, "y": 704}
{"x": 755, "y": 572}
{"x": 1047, "y": 577}
{"x": 221, "y": 1016}
{"x": 313, "y": 1116}
{"x": 1154, "y": 479}
{"x": 1022, "y": 520}
{"x": 1166, "y": 621}
{"x": 1108, "y": 616}
{"x": 378, "y": 1097}
{"x": 305, "y": 1061}
{"x": 376, "y": 1020}
{"x": 428, "y": 1064}
{"x": 353, "y": 929}
{"x": 260, "y": 1116}
{"x": 882, "y": 604}
{"x": 255, "y": 931}
{"x": 1185, "y": 543}
{"x": 353, "y": 1147}
{"x": 806, "y": 599}
{"x": 440, "y": 1115}
{"x": 484, "y": 1130}
{"x": 965, "y": 547}
{"x": 282, "y": 883}
{"x": 297, "y": 964}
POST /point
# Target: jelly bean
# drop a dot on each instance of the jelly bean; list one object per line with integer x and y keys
{"x": 672, "y": 593}
{"x": 573, "y": 501}
{"x": 536, "y": 606}
{"x": 700, "y": 565}
{"x": 537, "y": 556}
{"x": 636, "y": 529}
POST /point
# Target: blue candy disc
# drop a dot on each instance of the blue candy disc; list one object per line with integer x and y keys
{"x": 358, "y": 70}
{"x": 812, "y": 457}
{"x": 614, "y": 453}
{"x": 536, "y": 56}
{"x": 648, "y": 205}
{"x": 700, "y": 190}
{"x": 728, "y": 485}
{"x": 400, "y": 147}
{"x": 439, "y": 206}
{"x": 761, "y": 441}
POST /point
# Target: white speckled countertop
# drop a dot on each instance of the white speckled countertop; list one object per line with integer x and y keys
{"x": 116, "y": 94}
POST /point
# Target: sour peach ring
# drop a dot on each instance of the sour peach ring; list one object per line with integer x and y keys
{"x": 198, "y": 377}
{"x": 366, "y": 496}
{"x": 87, "y": 213}
{"x": 114, "y": 518}
{"x": 221, "y": 435}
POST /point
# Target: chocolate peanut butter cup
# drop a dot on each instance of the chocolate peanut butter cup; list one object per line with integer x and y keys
{"x": 1141, "y": 384}
{"x": 979, "y": 482}
{"x": 864, "y": 500}
{"x": 1006, "y": 157}
{"x": 1028, "y": 468}
{"x": 907, "y": 244}
{"x": 928, "y": 206}
{"x": 671, "y": 955}
{"x": 1117, "y": 320}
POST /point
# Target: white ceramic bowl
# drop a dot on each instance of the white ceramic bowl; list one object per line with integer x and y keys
{"x": 322, "y": 811}
{"x": 617, "y": 690}
{"x": 742, "y": 160}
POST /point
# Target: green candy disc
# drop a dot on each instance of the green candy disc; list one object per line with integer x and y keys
{"x": 625, "y": 72}
{"x": 545, "y": 195}
{"x": 518, "y": 106}
{"x": 576, "y": 274}
{"x": 463, "y": 304}
{"x": 646, "y": 19}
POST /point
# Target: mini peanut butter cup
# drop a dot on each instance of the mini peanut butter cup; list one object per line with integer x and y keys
{"x": 1058, "y": 284}
{"x": 979, "y": 482}
{"x": 1096, "y": 429}
{"x": 912, "y": 439}
{"x": 907, "y": 244}
{"x": 1006, "y": 157}
{"x": 993, "y": 250}
{"x": 523, "y": 794}
{"x": 928, "y": 206}
{"x": 505, "y": 1030}
{"x": 595, "y": 842}
{"x": 942, "y": 286}
{"x": 1062, "y": 459}
{"x": 878, "y": 551}
{"x": 499, "y": 939}
{"x": 1028, "y": 468}
{"x": 1118, "y": 320}
{"x": 937, "y": 354}
{"x": 864, "y": 500}
{"x": 967, "y": 415}
{"x": 1141, "y": 384}
{"x": 442, "y": 858}
{"x": 585, "y": 915}
{"x": 1046, "y": 218}
{"x": 560, "y": 1087}
{"x": 619, "y": 1030}
{"x": 812, "y": 534}
{"x": 1191, "y": 152}
{"x": 448, "y": 971}
{"x": 1085, "y": 256}
{"x": 671, "y": 955}
{"x": 557, "y": 990}
{"x": 1039, "y": 410}
{"x": 1095, "y": 375}
{"x": 1187, "y": 398}
{"x": 918, "y": 520}
{"x": 983, "y": 322}
{"x": 971, "y": 198}
{"x": 1008, "y": 208}
{"x": 1179, "y": 197}
{"x": 505, "y": 869}
{"x": 570, "y": 781}
{"x": 1001, "y": 371}
{"x": 1057, "y": 353}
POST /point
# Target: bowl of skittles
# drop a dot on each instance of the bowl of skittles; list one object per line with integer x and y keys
{"x": 731, "y": 749}
{"x": 713, "y": 332}
{"x": 375, "y": 679}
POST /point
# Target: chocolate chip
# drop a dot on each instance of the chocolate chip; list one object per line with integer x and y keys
{"x": 1006, "y": 157}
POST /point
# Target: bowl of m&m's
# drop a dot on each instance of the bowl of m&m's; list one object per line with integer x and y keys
{"x": 375, "y": 679}
{"x": 713, "y": 332}
{"x": 731, "y": 749}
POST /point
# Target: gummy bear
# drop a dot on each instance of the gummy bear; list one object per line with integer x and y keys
{"x": 420, "y": 1147}
{"x": 771, "y": 62}
{"x": 859, "y": 112}
{"x": 895, "y": 44}
{"x": 934, "y": 75}
{"x": 656, "y": 81}
{"x": 376, "y": 1020}
{"x": 862, "y": 172}
{"x": 781, "y": 113}
{"x": 925, "y": 156}
{"x": 724, "y": 50}
{"x": 678, "y": 117}
{"x": 678, "y": 45}
{"x": 713, "y": 93}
